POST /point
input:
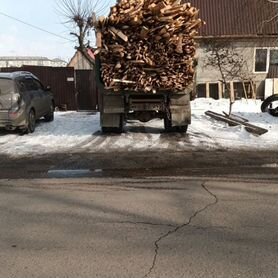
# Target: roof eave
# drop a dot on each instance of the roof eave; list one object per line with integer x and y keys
{"x": 237, "y": 37}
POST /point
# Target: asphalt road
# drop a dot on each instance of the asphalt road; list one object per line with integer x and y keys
{"x": 152, "y": 227}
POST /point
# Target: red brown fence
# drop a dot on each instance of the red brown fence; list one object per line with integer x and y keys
{"x": 74, "y": 90}
{"x": 86, "y": 90}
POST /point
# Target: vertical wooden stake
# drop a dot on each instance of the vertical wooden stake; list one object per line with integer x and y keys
{"x": 244, "y": 90}
{"x": 207, "y": 90}
{"x": 220, "y": 90}
{"x": 254, "y": 94}
{"x": 232, "y": 92}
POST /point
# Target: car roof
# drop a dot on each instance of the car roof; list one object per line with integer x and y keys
{"x": 16, "y": 74}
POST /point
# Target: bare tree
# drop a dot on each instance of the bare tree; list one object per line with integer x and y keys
{"x": 80, "y": 18}
{"x": 272, "y": 17}
{"x": 230, "y": 64}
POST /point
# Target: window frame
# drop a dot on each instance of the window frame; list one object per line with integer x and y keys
{"x": 270, "y": 49}
{"x": 267, "y": 59}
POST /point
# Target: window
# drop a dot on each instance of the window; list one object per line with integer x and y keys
{"x": 264, "y": 58}
{"x": 273, "y": 60}
{"x": 261, "y": 60}
{"x": 6, "y": 86}
{"x": 30, "y": 85}
{"x": 38, "y": 84}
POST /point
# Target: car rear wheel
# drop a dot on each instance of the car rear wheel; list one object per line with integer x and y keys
{"x": 31, "y": 122}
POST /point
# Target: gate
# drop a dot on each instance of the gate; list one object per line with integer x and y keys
{"x": 86, "y": 90}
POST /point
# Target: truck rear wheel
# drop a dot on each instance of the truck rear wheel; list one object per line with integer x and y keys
{"x": 168, "y": 124}
{"x": 113, "y": 129}
{"x": 169, "y": 128}
{"x": 182, "y": 129}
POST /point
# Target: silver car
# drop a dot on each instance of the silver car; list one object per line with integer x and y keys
{"x": 23, "y": 100}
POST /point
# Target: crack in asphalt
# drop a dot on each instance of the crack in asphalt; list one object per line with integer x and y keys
{"x": 195, "y": 214}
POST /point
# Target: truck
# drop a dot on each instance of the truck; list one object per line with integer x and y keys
{"x": 118, "y": 107}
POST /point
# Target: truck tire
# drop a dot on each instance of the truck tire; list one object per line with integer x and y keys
{"x": 182, "y": 129}
{"x": 168, "y": 124}
{"x": 118, "y": 129}
{"x": 169, "y": 128}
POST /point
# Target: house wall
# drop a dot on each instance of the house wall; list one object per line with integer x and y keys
{"x": 246, "y": 48}
{"x": 78, "y": 62}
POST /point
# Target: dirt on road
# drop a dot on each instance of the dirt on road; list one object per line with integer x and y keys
{"x": 141, "y": 164}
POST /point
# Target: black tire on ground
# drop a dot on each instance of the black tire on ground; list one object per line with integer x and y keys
{"x": 50, "y": 116}
{"x": 273, "y": 112}
{"x": 267, "y": 102}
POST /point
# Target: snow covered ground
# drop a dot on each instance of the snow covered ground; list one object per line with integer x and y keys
{"x": 80, "y": 132}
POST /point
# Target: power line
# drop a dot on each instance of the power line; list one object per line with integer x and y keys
{"x": 35, "y": 27}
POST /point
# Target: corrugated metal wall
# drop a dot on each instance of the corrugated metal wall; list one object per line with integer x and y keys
{"x": 237, "y": 17}
{"x": 61, "y": 80}
{"x": 87, "y": 96}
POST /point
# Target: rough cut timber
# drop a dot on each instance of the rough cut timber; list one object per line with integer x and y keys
{"x": 149, "y": 43}
{"x": 235, "y": 121}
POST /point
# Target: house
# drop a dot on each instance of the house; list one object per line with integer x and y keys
{"x": 80, "y": 62}
{"x": 246, "y": 27}
{"x": 18, "y": 61}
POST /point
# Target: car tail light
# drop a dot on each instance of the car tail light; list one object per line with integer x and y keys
{"x": 16, "y": 104}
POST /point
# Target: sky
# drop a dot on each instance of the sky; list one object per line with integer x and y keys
{"x": 18, "y": 39}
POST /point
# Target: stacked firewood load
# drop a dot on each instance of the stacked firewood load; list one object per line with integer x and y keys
{"x": 148, "y": 45}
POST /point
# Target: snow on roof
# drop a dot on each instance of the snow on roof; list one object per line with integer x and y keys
{"x": 29, "y": 58}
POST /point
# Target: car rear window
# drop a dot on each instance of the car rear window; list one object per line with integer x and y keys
{"x": 6, "y": 86}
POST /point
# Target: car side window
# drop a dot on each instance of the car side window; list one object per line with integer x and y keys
{"x": 30, "y": 84}
{"x": 21, "y": 86}
{"x": 38, "y": 84}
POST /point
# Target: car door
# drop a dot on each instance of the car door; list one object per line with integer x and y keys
{"x": 34, "y": 95}
{"x": 44, "y": 98}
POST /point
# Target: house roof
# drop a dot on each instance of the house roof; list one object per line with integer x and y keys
{"x": 244, "y": 18}
{"x": 79, "y": 58}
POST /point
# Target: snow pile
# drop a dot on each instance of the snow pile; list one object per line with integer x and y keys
{"x": 64, "y": 134}
{"x": 235, "y": 137}
{"x": 80, "y": 132}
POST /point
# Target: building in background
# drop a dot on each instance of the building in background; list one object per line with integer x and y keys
{"x": 247, "y": 27}
{"x": 80, "y": 62}
{"x": 18, "y": 61}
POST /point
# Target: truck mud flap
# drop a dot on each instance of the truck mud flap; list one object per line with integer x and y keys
{"x": 111, "y": 123}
